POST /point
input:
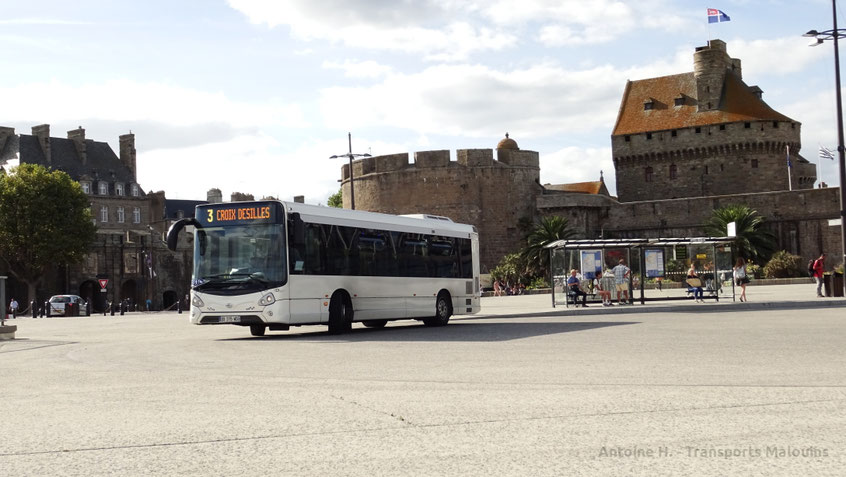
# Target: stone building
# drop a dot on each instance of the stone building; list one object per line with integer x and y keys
{"x": 682, "y": 146}
{"x": 494, "y": 194}
{"x": 128, "y": 251}
{"x": 704, "y": 133}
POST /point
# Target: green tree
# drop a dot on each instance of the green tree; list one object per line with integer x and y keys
{"x": 45, "y": 220}
{"x": 336, "y": 200}
{"x": 511, "y": 269}
{"x": 548, "y": 230}
{"x": 752, "y": 242}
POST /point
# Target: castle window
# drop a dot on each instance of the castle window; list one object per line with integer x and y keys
{"x": 673, "y": 133}
{"x": 628, "y": 138}
{"x": 647, "y": 105}
{"x": 679, "y": 101}
{"x": 104, "y": 188}
{"x": 674, "y": 171}
{"x": 775, "y": 124}
{"x": 648, "y": 136}
{"x": 754, "y": 163}
{"x": 136, "y": 215}
{"x": 119, "y": 190}
{"x": 121, "y": 215}
{"x": 722, "y": 127}
{"x": 647, "y": 174}
{"x": 721, "y": 168}
{"x": 698, "y": 130}
{"x": 706, "y": 170}
{"x": 793, "y": 125}
{"x": 747, "y": 125}
{"x": 104, "y": 214}
{"x": 134, "y": 190}
{"x": 86, "y": 187}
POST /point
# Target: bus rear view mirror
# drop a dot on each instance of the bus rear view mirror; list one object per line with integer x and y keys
{"x": 173, "y": 231}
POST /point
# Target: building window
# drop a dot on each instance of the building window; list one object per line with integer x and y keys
{"x": 722, "y": 127}
{"x": 647, "y": 174}
{"x": 747, "y": 125}
{"x": 679, "y": 101}
{"x": 648, "y": 105}
{"x": 628, "y": 138}
{"x": 134, "y": 190}
{"x": 648, "y": 136}
{"x": 121, "y": 216}
{"x": 698, "y": 130}
{"x": 136, "y": 215}
{"x": 754, "y": 163}
{"x": 86, "y": 187}
{"x": 119, "y": 189}
{"x": 180, "y": 214}
{"x": 775, "y": 124}
{"x": 721, "y": 168}
{"x": 673, "y": 133}
{"x": 104, "y": 188}
{"x": 104, "y": 214}
{"x": 674, "y": 171}
{"x": 706, "y": 170}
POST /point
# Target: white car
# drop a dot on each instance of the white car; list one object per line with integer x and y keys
{"x": 58, "y": 305}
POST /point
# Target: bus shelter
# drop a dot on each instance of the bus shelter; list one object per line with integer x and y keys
{"x": 659, "y": 267}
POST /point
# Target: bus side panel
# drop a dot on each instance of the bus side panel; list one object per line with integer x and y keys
{"x": 420, "y": 306}
{"x": 306, "y": 304}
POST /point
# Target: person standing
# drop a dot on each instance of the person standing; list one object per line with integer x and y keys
{"x": 740, "y": 278}
{"x": 621, "y": 279}
{"x": 819, "y": 268}
{"x": 13, "y": 307}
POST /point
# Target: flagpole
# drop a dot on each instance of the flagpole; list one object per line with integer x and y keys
{"x": 789, "y": 178}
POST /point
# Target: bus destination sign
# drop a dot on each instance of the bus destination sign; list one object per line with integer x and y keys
{"x": 238, "y": 214}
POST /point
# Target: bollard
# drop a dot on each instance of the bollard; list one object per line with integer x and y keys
{"x": 112, "y": 308}
{"x": 34, "y": 309}
{"x": 46, "y": 309}
{"x": 122, "y": 308}
{"x": 179, "y": 306}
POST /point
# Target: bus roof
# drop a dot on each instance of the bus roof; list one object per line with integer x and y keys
{"x": 418, "y": 223}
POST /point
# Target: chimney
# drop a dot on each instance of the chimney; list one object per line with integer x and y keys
{"x": 42, "y": 134}
{"x": 5, "y": 134}
{"x": 127, "y": 153}
{"x": 214, "y": 196}
{"x": 78, "y": 137}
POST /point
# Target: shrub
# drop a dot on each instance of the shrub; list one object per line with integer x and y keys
{"x": 538, "y": 283}
{"x": 754, "y": 270}
{"x": 784, "y": 265}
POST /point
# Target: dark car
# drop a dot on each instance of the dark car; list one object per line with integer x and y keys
{"x": 59, "y": 305}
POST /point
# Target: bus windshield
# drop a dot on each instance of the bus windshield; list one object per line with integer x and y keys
{"x": 239, "y": 258}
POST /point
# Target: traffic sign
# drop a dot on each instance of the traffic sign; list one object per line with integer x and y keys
{"x": 103, "y": 282}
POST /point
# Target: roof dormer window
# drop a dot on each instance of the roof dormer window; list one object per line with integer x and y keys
{"x": 648, "y": 104}
{"x": 103, "y": 188}
{"x": 134, "y": 190}
{"x": 86, "y": 187}
{"x": 119, "y": 189}
{"x": 679, "y": 101}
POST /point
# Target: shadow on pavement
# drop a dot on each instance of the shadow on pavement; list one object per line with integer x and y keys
{"x": 458, "y": 331}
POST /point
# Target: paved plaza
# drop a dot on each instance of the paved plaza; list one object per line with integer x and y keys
{"x": 671, "y": 388}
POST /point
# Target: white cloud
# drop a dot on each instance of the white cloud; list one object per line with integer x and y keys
{"x": 359, "y": 69}
{"x": 779, "y": 56}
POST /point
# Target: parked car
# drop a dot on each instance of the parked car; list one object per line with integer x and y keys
{"x": 58, "y": 305}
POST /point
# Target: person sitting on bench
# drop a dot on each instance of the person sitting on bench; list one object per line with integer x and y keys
{"x": 576, "y": 288}
{"x": 694, "y": 284}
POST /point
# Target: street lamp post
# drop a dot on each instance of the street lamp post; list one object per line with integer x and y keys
{"x": 350, "y": 155}
{"x": 835, "y": 34}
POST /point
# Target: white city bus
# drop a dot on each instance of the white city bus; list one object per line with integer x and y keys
{"x": 272, "y": 264}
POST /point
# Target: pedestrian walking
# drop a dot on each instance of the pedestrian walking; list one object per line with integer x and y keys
{"x": 13, "y": 307}
{"x": 819, "y": 268}
{"x": 740, "y": 278}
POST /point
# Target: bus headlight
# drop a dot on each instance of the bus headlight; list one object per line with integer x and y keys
{"x": 197, "y": 302}
{"x": 268, "y": 299}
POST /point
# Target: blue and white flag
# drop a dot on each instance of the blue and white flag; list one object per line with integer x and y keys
{"x": 716, "y": 16}
{"x": 789, "y": 162}
{"x": 826, "y": 153}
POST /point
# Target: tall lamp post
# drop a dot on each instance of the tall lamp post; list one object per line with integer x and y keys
{"x": 835, "y": 34}
{"x": 350, "y": 155}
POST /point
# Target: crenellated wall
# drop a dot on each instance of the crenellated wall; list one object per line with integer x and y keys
{"x": 491, "y": 193}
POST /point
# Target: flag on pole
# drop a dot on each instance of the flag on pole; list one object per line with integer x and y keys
{"x": 717, "y": 16}
{"x": 789, "y": 162}
{"x": 826, "y": 153}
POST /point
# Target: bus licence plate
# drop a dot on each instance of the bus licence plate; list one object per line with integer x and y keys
{"x": 229, "y": 319}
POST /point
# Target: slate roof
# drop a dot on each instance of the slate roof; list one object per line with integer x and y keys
{"x": 738, "y": 103}
{"x": 592, "y": 187}
{"x": 102, "y": 163}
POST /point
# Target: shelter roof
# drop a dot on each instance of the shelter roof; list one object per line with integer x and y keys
{"x": 638, "y": 243}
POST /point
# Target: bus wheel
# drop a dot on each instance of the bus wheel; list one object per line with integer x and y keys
{"x": 340, "y": 314}
{"x": 375, "y": 323}
{"x": 443, "y": 310}
{"x": 257, "y": 330}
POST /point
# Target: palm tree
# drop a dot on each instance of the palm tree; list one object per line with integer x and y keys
{"x": 752, "y": 241}
{"x": 548, "y": 230}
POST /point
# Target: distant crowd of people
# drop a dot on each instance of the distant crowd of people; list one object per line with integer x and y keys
{"x": 502, "y": 288}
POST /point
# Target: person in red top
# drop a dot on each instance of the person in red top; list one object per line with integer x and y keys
{"x": 819, "y": 267}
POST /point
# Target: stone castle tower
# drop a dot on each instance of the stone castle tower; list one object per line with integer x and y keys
{"x": 704, "y": 133}
{"x": 492, "y": 194}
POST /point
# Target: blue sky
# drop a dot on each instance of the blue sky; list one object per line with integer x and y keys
{"x": 254, "y": 96}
